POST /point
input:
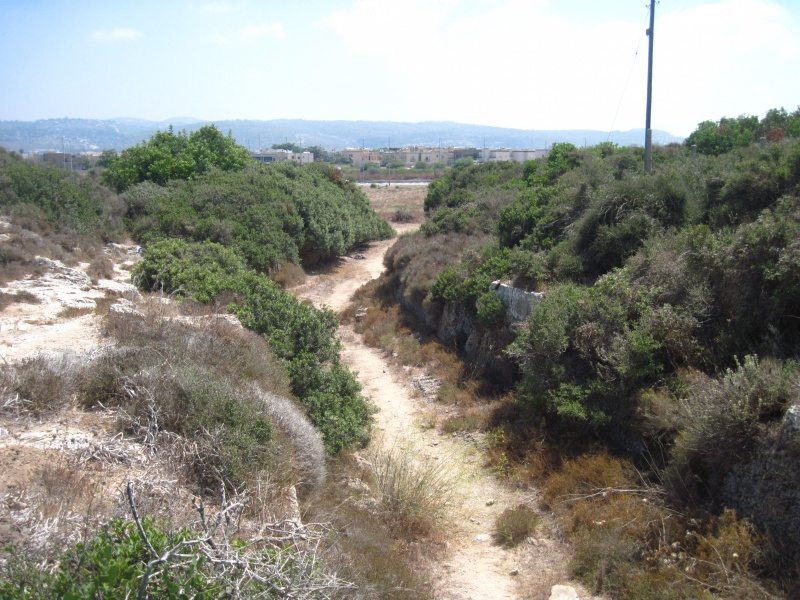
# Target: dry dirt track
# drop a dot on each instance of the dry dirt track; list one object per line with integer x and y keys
{"x": 473, "y": 567}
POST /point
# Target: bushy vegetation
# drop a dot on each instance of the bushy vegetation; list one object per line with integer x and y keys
{"x": 169, "y": 155}
{"x": 667, "y": 331}
{"x": 269, "y": 214}
{"x": 716, "y": 138}
{"x": 300, "y": 335}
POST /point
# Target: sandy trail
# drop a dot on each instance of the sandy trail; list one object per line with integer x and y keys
{"x": 474, "y": 567}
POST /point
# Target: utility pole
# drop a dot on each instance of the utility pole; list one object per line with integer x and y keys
{"x": 648, "y": 134}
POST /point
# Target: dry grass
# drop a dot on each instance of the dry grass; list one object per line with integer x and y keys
{"x": 386, "y": 561}
{"x": 513, "y": 525}
{"x": 102, "y": 267}
{"x": 289, "y": 275}
{"x": 73, "y": 312}
{"x": 416, "y": 492}
{"x": 387, "y": 201}
{"x": 19, "y": 297}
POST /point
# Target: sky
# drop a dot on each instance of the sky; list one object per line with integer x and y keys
{"x": 525, "y": 64}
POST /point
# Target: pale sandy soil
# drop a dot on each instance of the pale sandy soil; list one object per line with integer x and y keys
{"x": 473, "y": 567}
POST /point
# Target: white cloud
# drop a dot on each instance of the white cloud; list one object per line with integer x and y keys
{"x": 222, "y": 8}
{"x": 519, "y": 63}
{"x": 255, "y": 32}
{"x": 218, "y": 38}
{"x": 118, "y": 34}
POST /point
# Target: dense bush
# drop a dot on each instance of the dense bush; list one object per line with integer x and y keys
{"x": 727, "y": 417}
{"x": 269, "y": 214}
{"x": 655, "y": 288}
{"x": 300, "y": 335}
{"x": 167, "y": 156}
{"x": 56, "y": 199}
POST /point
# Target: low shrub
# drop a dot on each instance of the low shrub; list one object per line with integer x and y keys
{"x": 513, "y": 525}
{"x": 726, "y": 418}
{"x": 42, "y": 383}
{"x": 402, "y": 216}
{"x": 101, "y": 267}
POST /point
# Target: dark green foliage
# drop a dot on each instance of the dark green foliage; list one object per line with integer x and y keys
{"x": 300, "y": 335}
{"x": 111, "y": 565}
{"x": 490, "y": 309}
{"x": 268, "y": 214}
{"x": 458, "y": 181}
{"x": 58, "y": 199}
{"x": 717, "y": 138}
{"x": 167, "y": 156}
{"x": 197, "y": 271}
{"x": 530, "y": 218}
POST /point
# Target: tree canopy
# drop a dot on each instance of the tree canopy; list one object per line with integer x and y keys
{"x": 169, "y": 155}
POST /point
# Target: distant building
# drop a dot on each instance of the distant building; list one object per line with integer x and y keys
{"x": 271, "y": 156}
{"x": 359, "y": 157}
{"x": 495, "y": 155}
{"x": 523, "y": 155}
{"x": 506, "y": 155}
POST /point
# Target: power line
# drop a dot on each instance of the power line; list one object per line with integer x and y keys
{"x": 630, "y": 73}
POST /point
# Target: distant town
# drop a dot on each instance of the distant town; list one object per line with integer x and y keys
{"x": 409, "y": 157}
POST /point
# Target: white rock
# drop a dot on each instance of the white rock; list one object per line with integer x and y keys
{"x": 791, "y": 426}
{"x": 563, "y": 592}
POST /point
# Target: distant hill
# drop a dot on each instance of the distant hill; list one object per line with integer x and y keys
{"x": 93, "y": 135}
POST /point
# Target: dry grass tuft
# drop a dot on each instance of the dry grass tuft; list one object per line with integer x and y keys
{"x": 102, "y": 267}
{"x": 415, "y": 491}
{"x": 513, "y": 525}
{"x": 289, "y": 275}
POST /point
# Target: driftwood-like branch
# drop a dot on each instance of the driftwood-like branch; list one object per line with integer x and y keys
{"x": 289, "y": 569}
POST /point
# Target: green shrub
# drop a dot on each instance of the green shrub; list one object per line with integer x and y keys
{"x": 111, "y": 565}
{"x": 726, "y": 419}
{"x": 302, "y": 337}
{"x": 60, "y": 200}
{"x": 167, "y": 156}
{"x": 269, "y": 215}
{"x": 491, "y": 310}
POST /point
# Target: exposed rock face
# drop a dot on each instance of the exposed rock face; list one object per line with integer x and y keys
{"x": 766, "y": 487}
{"x": 484, "y": 348}
{"x": 519, "y": 303}
{"x": 790, "y": 430}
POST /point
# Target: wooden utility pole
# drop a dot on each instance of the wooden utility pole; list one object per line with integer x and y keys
{"x": 648, "y": 134}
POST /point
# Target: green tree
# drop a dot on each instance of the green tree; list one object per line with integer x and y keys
{"x": 320, "y": 154}
{"x": 167, "y": 156}
{"x": 717, "y": 138}
{"x": 288, "y": 146}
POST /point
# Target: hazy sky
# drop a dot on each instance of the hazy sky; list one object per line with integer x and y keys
{"x": 529, "y": 64}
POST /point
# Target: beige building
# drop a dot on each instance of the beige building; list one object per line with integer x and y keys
{"x": 271, "y": 156}
{"x": 360, "y": 157}
{"x": 495, "y": 155}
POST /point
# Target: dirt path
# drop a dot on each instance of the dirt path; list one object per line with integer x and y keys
{"x": 474, "y": 567}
